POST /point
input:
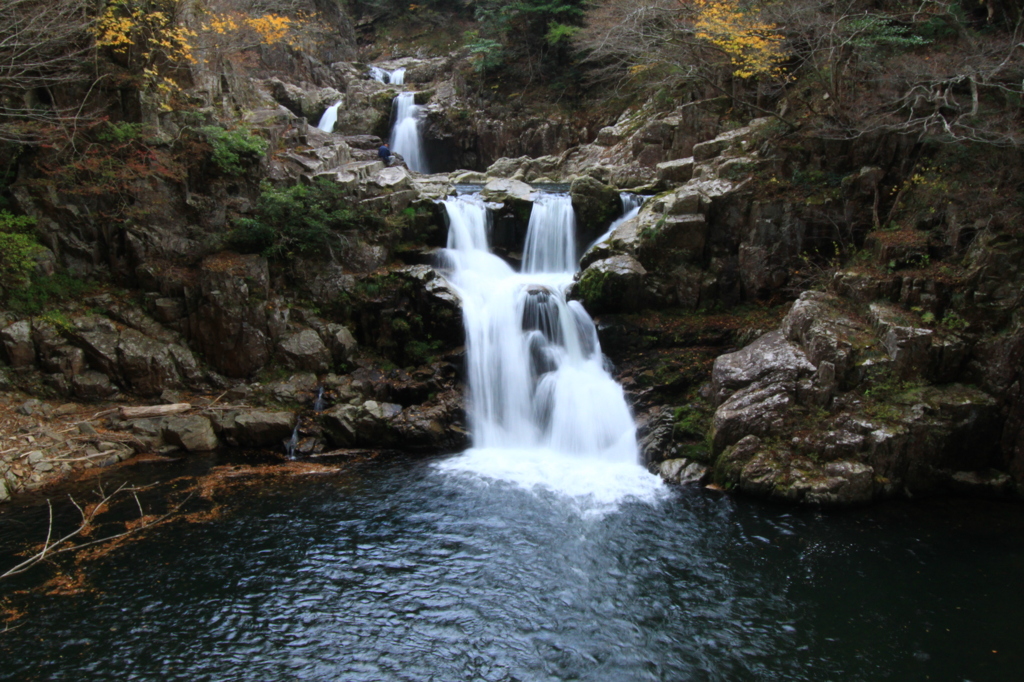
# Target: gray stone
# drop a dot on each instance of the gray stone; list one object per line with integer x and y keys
{"x": 193, "y": 433}
{"x": 260, "y": 429}
{"x": 341, "y": 342}
{"x": 769, "y": 359}
{"x": 18, "y": 345}
{"x": 92, "y": 385}
{"x": 503, "y": 189}
{"x": 675, "y": 172}
{"x": 29, "y": 407}
{"x": 295, "y": 388}
{"x": 304, "y": 351}
{"x": 683, "y": 471}
{"x": 595, "y": 204}
{"x": 611, "y": 285}
{"x": 5, "y": 494}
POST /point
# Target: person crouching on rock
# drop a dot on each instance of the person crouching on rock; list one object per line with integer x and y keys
{"x": 385, "y": 154}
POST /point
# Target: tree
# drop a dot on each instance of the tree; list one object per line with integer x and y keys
{"x": 754, "y": 47}
{"x": 524, "y": 33}
{"x": 44, "y": 45}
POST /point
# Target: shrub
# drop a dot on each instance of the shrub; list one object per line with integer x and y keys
{"x": 304, "y": 219}
{"x": 42, "y": 292}
{"x": 18, "y": 250}
{"x": 233, "y": 150}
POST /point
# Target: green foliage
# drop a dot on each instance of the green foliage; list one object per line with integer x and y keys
{"x": 233, "y": 150}
{"x": 120, "y": 133}
{"x": 954, "y": 322}
{"x": 304, "y": 219}
{"x": 870, "y": 31}
{"x": 486, "y": 53}
{"x": 534, "y": 31}
{"x": 43, "y": 292}
{"x": 17, "y": 258}
{"x": 17, "y": 250}
{"x": 421, "y": 352}
{"x": 558, "y": 33}
{"x": 58, "y": 319}
{"x": 15, "y": 223}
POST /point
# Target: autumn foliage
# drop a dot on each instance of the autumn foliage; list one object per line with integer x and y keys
{"x": 153, "y": 38}
{"x": 754, "y": 47}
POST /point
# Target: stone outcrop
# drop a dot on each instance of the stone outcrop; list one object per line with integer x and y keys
{"x": 829, "y": 410}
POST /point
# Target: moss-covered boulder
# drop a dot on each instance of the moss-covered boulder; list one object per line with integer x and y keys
{"x": 596, "y": 205}
{"x": 611, "y": 285}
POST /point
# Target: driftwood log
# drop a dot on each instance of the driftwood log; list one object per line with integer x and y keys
{"x": 144, "y": 411}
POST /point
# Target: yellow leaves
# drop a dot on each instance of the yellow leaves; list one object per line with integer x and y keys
{"x": 268, "y": 29}
{"x": 271, "y": 28}
{"x": 147, "y": 25}
{"x": 754, "y": 47}
{"x": 150, "y": 36}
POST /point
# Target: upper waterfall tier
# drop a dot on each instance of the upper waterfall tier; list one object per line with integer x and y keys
{"x": 405, "y": 135}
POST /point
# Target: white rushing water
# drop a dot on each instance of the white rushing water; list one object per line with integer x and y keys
{"x": 329, "y": 118}
{"x": 543, "y": 410}
{"x": 396, "y": 77}
{"x": 405, "y": 135}
{"x": 631, "y": 204}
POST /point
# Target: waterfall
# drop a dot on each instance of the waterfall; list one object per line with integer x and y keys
{"x": 551, "y": 235}
{"x": 631, "y": 204}
{"x": 396, "y": 77}
{"x": 542, "y": 408}
{"x": 405, "y": 135}
{"x": 329, "y": 118}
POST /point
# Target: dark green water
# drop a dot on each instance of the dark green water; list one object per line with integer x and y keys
{"x": 404, "y": 572}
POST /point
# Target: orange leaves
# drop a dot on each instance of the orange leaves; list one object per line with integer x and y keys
{"x": 754, "y": 47}
{"x": 267, "y": 29}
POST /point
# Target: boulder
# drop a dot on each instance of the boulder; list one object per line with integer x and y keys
{"x": 771, "y": 359}
{"x": 18, "y": 344}
{"x": 367, "y": 425}
{"x": 683, "y": 471}
{"x": 92, "y": 385}
{"x": 256, "y": 428}
{"x": 675, "y": 172}
{"x": 295, "y": 388}
{"x": 504, "y": 189}
{"x": 193, "y": 433}
{"x": 595, "y": 204}
{"x": 612, "y": 285}
{"x": 304, "y": 350}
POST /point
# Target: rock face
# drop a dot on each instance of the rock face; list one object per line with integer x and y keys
{"x": 827, "y": 411}
{"x": 232, "y": 323}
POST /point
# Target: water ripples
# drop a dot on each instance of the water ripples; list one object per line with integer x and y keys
{"x": 419, "y": 574}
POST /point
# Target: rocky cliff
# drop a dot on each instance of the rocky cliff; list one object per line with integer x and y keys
{"x": 788, "y": 317}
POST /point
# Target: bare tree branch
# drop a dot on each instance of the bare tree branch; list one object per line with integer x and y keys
{"x": 61, "y": 545}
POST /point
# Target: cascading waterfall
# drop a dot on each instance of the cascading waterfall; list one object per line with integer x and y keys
{"x": 405, "y": 135}
{"x": 631, "y": 204}
{"x": 551, "y": 235}
{"x": 543, "y": 410}
{"x": 396, "y": 77}
{"x": 329, "y": 118}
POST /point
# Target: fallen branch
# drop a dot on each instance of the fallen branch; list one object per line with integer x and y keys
{"x": 54, "y": 547}
{"x": 153, "y": 410}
